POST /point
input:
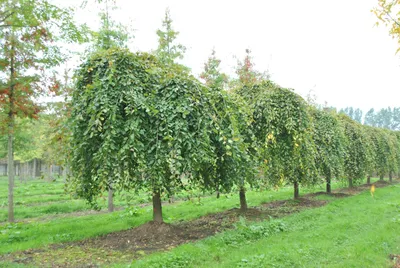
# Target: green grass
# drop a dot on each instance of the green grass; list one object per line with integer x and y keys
{"x": 39, "y": 198}
{"x": 39, "y": 233}
{"x": 358, "y": 231}
{"x": 22, "y": 236}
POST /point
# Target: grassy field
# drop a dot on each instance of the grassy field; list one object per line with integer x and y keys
{"x": 358, "y": 231}
{"x": 39, "y": 198}
{"x": 346, "y": 232}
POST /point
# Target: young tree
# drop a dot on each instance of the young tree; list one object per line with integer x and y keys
{"x": 135, "y": 122}
{"x": 329, "y": 141}
{"x": 111, "y": 34}
{"x": 283, "y": 129}
{"x": 212, "y": 74}
{"x": 29, "y": 40}
{"x": 168, "y": 51}
{"x": 246, "y": 72}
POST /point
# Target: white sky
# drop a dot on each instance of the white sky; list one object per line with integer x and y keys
{"x": 331, "y": 47}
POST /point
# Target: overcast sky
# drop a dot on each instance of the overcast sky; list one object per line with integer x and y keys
{"x": 330, "y": 47}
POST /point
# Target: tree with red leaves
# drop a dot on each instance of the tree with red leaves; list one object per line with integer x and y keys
{"x": 246, "y": 72}
{"x": 30, "y": 36}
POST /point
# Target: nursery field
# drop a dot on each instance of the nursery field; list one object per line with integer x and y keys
{"x": 348, "y": 228}
{"x": 169, "y": 165}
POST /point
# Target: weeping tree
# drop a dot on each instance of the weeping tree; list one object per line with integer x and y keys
{"x": 147, "y": 129}
{"x": 111, "y": 34}
{"x": 282, "y": 126}
{"x": 393, "y": 159}
{"x": 357, "y": 155}
{"x": 380, "y": 139}
{"x": 329, "y": 142}
{"x": 234, "y": 149}
{"x": 372, "y": 134}
{"x": 396, "y": 134}
{"x": 232, "y": 137}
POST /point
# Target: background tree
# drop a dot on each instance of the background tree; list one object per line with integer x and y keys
{"x": 354, "y": 113}
{"x": 247, "y": 74}
{"x": 29, "y": 40}
{"x": 111, "y": 34}
{"x": 370, "y": 118}
{"x": 168, "y": 51}
{"x": 212, "y": 74}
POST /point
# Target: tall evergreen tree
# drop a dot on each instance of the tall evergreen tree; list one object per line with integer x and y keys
{"x": 168, "y": 50}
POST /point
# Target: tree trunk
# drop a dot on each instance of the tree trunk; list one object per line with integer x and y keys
{"x": 296, "y": 190}
{"x": 381, "y": 177}
{"x": 34, "y": 168}
{"x": 157, "y": 208}
{"x": 110, "y": 199}
{"x": 350, "y": 183}
{"x": 390, "y": 177}
{"x": 10, "y": 152}
{"x": 10, "y": 165}
{"x": 328, "y": 184}
{"x": 243, "y": 201}
{"x": 64, "y": 174}
{"x": 369, "y": 179}
{"x": 51, "y": 172}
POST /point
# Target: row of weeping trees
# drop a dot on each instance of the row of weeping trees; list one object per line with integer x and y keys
{"x": 138, "y": 123}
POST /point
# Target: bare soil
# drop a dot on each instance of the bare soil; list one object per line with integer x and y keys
{"x": 396, "y": 260}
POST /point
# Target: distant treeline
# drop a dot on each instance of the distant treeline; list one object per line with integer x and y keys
{"x": 388, "y": 118}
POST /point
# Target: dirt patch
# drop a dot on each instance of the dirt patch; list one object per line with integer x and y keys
{"x": 149, "y": 237}
{"x": 154, "y": 236}
{"x": 360, "y": 188}
{"x": 283, "y": 208}
{"x": 395, "y": 259}
{"x": 336, "y": 195}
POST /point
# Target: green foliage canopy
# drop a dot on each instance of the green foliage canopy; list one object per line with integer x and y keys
{"x": 138, "y": 124}
{"x": 329, "y": 141}
{"x": 283, "y": 128}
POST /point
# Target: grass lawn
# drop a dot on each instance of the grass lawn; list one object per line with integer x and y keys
{"x": 41, "y": 232}
{"x": 357, "y": 231}
{"x": 336, "y": 235}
